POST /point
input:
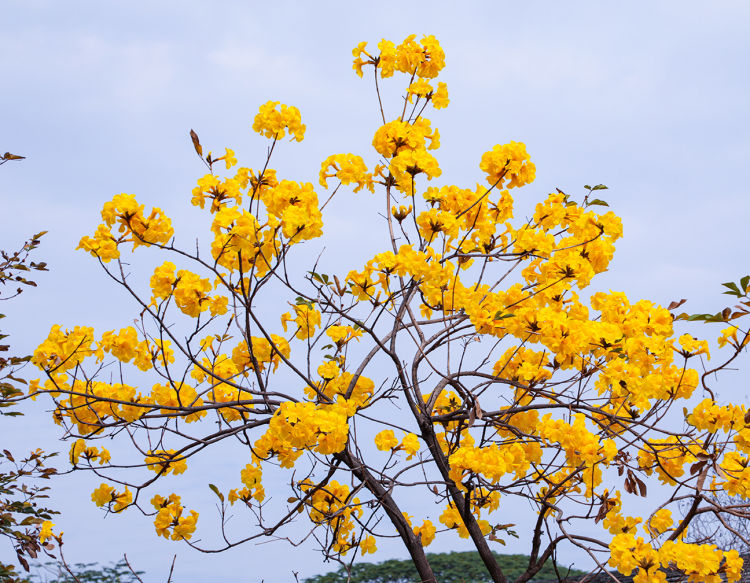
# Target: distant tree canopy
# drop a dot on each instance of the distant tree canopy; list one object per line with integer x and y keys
{"x": 465, "y": 567}
{"x": 118, "y": 572}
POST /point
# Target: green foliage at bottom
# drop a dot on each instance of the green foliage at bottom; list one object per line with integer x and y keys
{"x": 453, "y": 567}
{"x": 86, "y": 573}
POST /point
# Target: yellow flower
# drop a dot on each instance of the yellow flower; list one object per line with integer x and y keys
{"x": 440, "y": 96}
{"x": 229, "y": 158}
{"x": 349, "y": 169}
{"x": 329, "y": 370}
{"x": 274, "y": 123}
{"x": 367, "y": 545}
{"x": 102, "y": 495}
{"x": 410, "y": 444}
{"x": 427, "y": 532}
{"x": 386, "y": 440}
{"x": 164, "y": 462}
{"x": 660, "y": 521}
{"x": 46, "y": 531}
{"x": 508, "y": 162}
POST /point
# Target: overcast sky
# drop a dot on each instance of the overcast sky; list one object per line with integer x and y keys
{"x": 649, "y": 98}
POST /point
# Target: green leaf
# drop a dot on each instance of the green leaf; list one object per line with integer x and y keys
{"x": 500, "y": 316}
{"x": 716, "y": 318}
{"x": 745, "y": 282}
{"x": 600, "y": 187}
{"x": 597, "y": 202}
{"x": 735, "y": 291}
{"x": 695, "y": 317}
{"x": 216, "y": 491}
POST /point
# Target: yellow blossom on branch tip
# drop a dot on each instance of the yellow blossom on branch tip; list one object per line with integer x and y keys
{"x": 274, "y": 120}
{"x": 508, "y": 162}
{"x": 46, "y": 531}
{"x": 367, "y": 545}
{"x": 386, "y": 440}
{"x": 660, "y": 521}
{"x": 440, "y": 96}
{"x": 410, "y": 444}
{"x": 229, "y": 158}
{"x": 426, "y": 531}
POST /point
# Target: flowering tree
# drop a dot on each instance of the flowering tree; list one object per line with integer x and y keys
{"x": 464, "y": 361}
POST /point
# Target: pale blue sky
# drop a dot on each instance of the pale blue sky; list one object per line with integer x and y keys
{"x": 650, "y": 98}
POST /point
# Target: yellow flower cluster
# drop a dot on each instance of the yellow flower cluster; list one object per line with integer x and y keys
{"x": 426, "y": 532}
{"x": 169, "y": 521}
{"x": 190, "y": 291}
{"x": 106, "y": 495}
{"x": 349, "y": 169}
{"x": 660, "y": 521}
{"x": 729, "y": 336}
{"x": 332, "y": 505}
{"x": 65, "y": 350}
{"x": 165, "y": 462}
{"x": 90, "y": 404}
{"x": 222, "y": 373}
{"x": 45, "y": 532}
{"x": 614, "y": 521}
{"x": 508, "y": 162}
{"x": 735, "y": 468}
{"x": 249, "y": 241}
{"x": 220, "y": 192}
{"x": 295, "y": 205}
{"x": 668, "y": 457}
{"x": 264, "y": 352}
{"x": 423, "y": 60}
{"x": 704, "y": 563}
{"x": 250, "y": 477}
{"x": 297, "y": 427}
{"x": 125, "y": 346}
{"x": 274, "y": 119}
{"x": 134, "y": 227}
{"x": 241, "y": 243}
{"x": 523, "y": 365}
{"x": 493, "y": 461}
{"x": 175, "y": 398}
{"x": 307, "y": 319}
{"x": 708, "y": 415}
{"x": 406, "y": 146}
{"x": 336, "y": 389}
{"x": 386, "y": 441}
{"x": 580, "y": 444}
{"x": 693, "y": 347}
{"x": 79, "y": 449}
{"x": 342, "y": 334}
{"x": 451, "y": 518}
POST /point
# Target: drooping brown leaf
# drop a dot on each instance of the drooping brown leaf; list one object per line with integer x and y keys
{"x": 676, "y": 304}
{"x": 196, "y": 143}
{"x": 641, "y": 486}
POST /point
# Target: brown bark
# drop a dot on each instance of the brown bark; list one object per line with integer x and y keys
{"x": 411, "y": 541}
